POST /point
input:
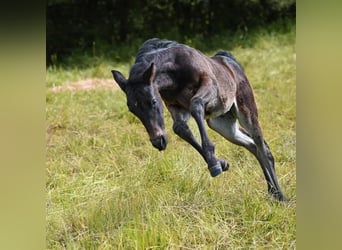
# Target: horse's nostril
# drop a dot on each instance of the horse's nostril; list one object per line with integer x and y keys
{"x": 159, "y": 142}
{"x": 163, "y": 142}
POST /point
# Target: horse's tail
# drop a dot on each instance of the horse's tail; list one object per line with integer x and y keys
{"x": 225, "y": 54}
{"x": 228, "y": 55}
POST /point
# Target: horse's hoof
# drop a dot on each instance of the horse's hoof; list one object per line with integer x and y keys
{"x": 282, "y": 198}
{"x": 224, "y": 165}
{"x": 278, "y": 196}
{"x": 215, "y": 170}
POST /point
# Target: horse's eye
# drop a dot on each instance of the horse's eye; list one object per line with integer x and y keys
{"x": 154, "y": 102}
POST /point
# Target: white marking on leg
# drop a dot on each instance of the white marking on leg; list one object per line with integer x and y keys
{"x": 229, "y": 129}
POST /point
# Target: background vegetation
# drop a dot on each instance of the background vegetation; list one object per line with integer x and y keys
{"x": 95, "y": 26}
{"x": 108, "y": 188}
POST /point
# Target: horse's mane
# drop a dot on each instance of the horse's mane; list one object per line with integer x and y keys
{"x": 152, "y": 45}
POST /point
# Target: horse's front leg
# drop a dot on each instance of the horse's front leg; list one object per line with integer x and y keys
{"x": 180, "y": 118}
{"x": 197, "y": 110}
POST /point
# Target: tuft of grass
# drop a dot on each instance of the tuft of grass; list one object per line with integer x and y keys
{"x": 108, "y": 188}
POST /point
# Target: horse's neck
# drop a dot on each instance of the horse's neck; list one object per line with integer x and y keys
{"x": 164, "y": 81}
{"x": 163, "y": 78}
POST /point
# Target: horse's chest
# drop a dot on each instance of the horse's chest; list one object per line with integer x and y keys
{"x": 178, "y": 96}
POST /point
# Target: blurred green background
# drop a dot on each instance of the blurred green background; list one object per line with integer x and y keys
{"x": 98, "y": 28}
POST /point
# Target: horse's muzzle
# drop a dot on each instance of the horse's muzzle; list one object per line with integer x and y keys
{"x": 159, "y": 142}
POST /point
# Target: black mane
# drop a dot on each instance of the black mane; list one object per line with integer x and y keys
{"x": 152, "y": 45}
{"x": 146, "y": 55}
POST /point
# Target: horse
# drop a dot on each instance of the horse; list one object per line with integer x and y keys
{"x": 191, "y": 84}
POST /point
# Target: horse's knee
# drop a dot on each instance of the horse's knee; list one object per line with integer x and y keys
{"x": 196, "y": 107}
{"x": 179, "y": 128}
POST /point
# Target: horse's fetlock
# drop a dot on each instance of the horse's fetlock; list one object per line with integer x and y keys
{"x": 215, "y": 170}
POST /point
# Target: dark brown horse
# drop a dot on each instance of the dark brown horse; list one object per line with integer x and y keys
{"x": 191, "y": 84}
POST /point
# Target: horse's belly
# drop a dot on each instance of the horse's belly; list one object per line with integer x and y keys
{"x": 218, "y": 107}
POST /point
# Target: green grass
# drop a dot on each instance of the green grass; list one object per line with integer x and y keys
{"x": 108, "y": 188}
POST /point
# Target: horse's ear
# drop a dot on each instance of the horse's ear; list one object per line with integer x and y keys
{"x": 150, "y": 73}
{"x": 120, "y": 79}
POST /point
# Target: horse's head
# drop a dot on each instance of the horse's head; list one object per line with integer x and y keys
{"x": 144, "y": 101}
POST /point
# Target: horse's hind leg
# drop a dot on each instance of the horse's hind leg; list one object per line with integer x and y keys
{"x": 227, "y": 126}
{"x": 247, "y": 114}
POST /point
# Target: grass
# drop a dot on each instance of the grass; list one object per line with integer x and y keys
{"x": 108, "y": 188}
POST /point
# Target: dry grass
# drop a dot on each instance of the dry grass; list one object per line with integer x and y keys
{"x": 86, "y": 84}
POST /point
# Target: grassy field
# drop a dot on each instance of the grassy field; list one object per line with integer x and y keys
{"x": 108, "y": 188}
